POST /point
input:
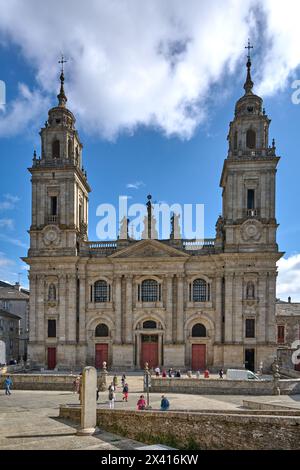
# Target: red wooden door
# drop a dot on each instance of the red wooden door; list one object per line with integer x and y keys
{"x": 101, "y": 355}
{"x": 198, "y": 356}
{"x": 51, "y": 358}
{"x": 149, "y": 354}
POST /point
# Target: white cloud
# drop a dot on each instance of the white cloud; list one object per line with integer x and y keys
{"x": 7, "y": 223}
{"x": 147, "y": 62}
{"x": 5, "y": 261}
{"x": 23, "y": 112}
{"x": 9, "y": 201}
{"x": 130, "y": 63}
{"x": 13, "y": 241}
{"x": 288, "y": 281}
{"x": 136, "y": 185}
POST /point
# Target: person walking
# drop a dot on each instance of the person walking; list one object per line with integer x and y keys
{"x": 141, "y": 404}
{"x": 123, "y": 380}
{"x": 111, "y": 396}
{"x": 164, "y": 404}
{"x": 125, "y": 392}
{"x": 157, "y": 371}
{"x": 164, "y": 374}
{"x": 115, "y": 381}
{"x": 221, "y": 373}
{"x": 7, "y": 385}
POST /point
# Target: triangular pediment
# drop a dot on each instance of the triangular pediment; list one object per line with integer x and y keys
{"x": 149, "y": 249}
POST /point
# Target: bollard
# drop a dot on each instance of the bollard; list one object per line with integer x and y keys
{"x": 88, "y": 417}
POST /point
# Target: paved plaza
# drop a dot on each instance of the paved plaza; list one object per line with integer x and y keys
{"x": 29, "y": 419}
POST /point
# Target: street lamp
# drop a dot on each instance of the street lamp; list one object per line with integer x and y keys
{"x": 147, "y": 383}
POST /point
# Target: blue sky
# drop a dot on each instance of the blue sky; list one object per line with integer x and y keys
{"x": 175, "y": 158}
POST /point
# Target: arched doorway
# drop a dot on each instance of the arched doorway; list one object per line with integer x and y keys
{"x": 149, "y": 350}
{"x": 198, "y": 349}
{"x": 101, "y": 347}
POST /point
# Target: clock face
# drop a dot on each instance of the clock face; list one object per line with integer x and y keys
{"x": 251, "y": 230}
{"x": 51, "y": 235}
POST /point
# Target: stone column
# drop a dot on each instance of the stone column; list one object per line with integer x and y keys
{"x": 262, "y": 294}
{"x": 128, "y": 313}
{"x": 160, "y": 346}
{"x": 82, "y": 307}
{"x": 71, "y": 322}
{"x": 169, "y": 308}
{"x": 180, "y": 308}
{"x": 32, "y": 309}
{"x": 238, "y": 320}
{"x": 62, "y": 308}
{"x": 40, "y": 314}
{"x": 218, "y": 307}
{"x": 228, "y": 307}
{"x": 88, "y": 416}
{"x": 118, "y": 310}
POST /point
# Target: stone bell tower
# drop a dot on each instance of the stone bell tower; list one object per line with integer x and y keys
{"x": 59, "y": 222}
{"x": 59, "y": 185}
{"x": 248, "y": 177}
{"x": 246, "y": 234}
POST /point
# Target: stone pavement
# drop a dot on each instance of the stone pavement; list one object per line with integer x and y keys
{"x": 28, "y": 419}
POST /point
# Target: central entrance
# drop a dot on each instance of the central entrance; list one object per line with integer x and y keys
{"x": 149, "y": 352}
{"x": 101, "y": 355}
{"x": 198, "y": 356}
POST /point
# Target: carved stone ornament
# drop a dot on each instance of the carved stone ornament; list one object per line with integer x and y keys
{"x": 251, "y": 230}
{"x": 51, "y": 235}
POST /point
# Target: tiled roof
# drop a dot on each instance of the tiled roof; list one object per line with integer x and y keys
{"x": 10, "y": 292}
{"x": 6, "y": 314}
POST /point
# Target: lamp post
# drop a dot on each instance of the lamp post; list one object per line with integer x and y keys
{"x": 147, "y": 383}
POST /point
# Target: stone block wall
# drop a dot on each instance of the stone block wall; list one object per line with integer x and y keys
{"x": 196, "y": 386}
{"x": 203, "y": 431}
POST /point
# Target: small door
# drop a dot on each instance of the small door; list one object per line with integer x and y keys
{"x": 250, "y": 359}
{"x": 198, "y": 356}
{"x": 51, "y": 358}
{"x": 101, "y": 355}
{"x": 149, "y": 351}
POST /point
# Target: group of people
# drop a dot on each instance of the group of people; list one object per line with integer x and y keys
{"x": 164, "y": 404}
{"x": 169, "y": 373}
{"x": 112, "y": 390}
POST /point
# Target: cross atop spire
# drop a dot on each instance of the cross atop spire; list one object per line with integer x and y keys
{"x": 62, "y": 99}
{"x": 62, "y": 61}
{"x": 248, "y": 83}
{"x": 249, "y": 47}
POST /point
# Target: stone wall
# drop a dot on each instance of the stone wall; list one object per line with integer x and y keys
{"x": 201, "y": 430}
{"x": 222, "y": 387}
{"x": 40, "y": 381}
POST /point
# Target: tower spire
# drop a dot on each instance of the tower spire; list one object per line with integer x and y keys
{"x": 248, "y": 83}
{"x": 62, "y": 99}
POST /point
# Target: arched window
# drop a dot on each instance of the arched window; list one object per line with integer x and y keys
{"x": 235, "y": 141}
{"x": 150, "y": 291}
{"x": 101, "y": 330}
{"x": 149, "y": 324}
{"x": 250, "y": 291}
{"x": 101, "y": 291}
{"x": 55, "y": 149}
{"x": 201, "y": 291}
{"x": 70, "y": 148}
{"x": 199, "y": 331}
{"x": 251, "y": 139}
{"x": 52, "y": 292}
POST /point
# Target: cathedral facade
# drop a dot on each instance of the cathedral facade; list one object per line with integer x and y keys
{"x": 187, "y": 304}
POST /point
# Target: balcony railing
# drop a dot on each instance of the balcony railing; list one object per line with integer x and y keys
{"x": 252, "y": 212}
{"x": 198, "y": 244}
{"x": 100, "y": 248}
{"x": 52, "y": 219}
